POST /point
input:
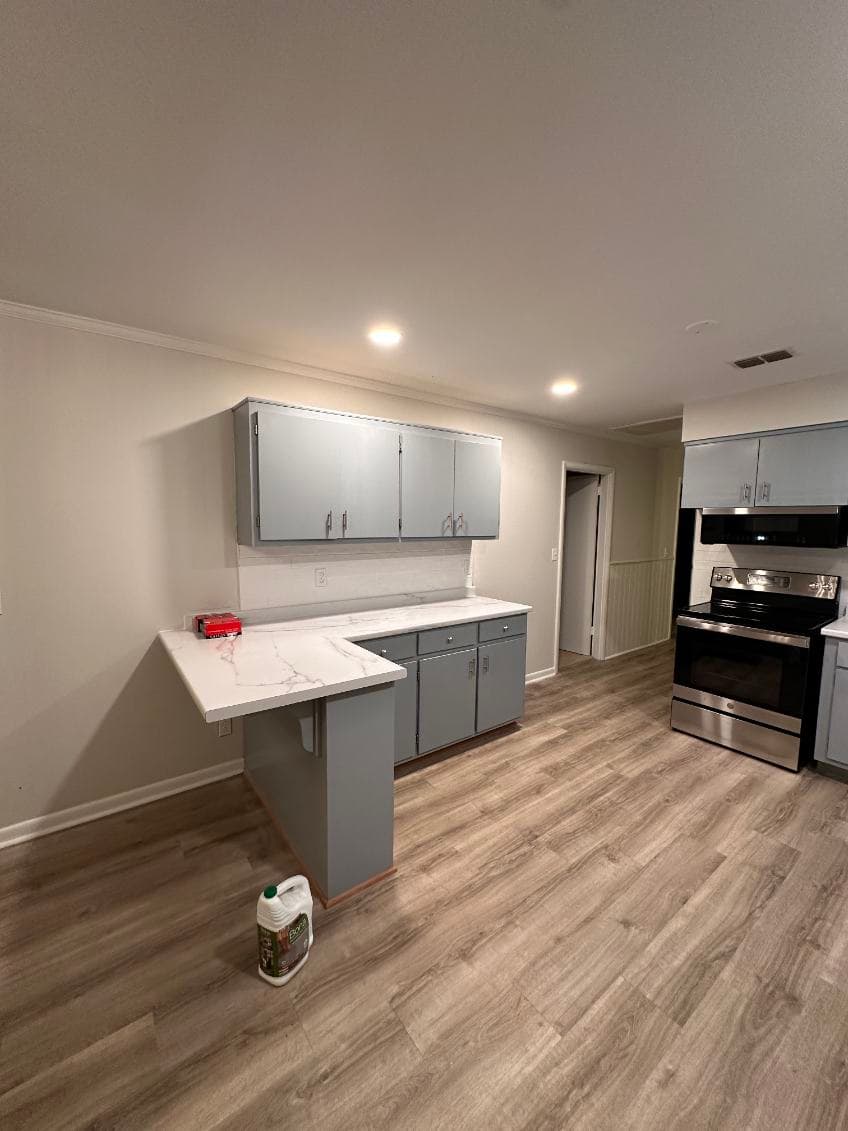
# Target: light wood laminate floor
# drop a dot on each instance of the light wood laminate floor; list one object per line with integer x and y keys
{"x": 594, "y": 923}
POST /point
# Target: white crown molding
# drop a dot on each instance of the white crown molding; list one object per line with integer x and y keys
{"x": 88, "y": 325}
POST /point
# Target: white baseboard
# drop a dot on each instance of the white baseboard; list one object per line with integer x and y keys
{"x": 534, "y": 677}
{"x": 638, "y": 648}
{"x": 93, "y": 810}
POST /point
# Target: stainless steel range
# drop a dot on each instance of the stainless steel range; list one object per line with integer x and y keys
{"x": 747, "y": 664}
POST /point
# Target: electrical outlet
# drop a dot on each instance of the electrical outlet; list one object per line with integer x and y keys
{"x": 320, "y": 578}
{"x": 554, "y": 554}
{"x": 225, "y": 727}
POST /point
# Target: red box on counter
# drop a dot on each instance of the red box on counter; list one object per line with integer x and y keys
{"x": 211, "y": 625}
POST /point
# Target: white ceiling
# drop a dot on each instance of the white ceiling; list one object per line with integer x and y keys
{"x": 530, "y": 189}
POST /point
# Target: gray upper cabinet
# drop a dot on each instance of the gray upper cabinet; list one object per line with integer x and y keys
{"x": 305, "y": 475}
{"x": 427, "y": 485}
{"x": 720, "y": 474}
{"x": 298, "y": 475}
{"x": 477, "y": 489}
{"x": 803, "y": 469}
{"x": 368, "y": 468}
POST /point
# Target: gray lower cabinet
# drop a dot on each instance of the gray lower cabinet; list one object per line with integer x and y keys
{"x": 832, "y": 726}
{"x": 722, "y": 473}
{"x": 500, "y": 684}
{"x": 837, "y": 745}
{"x": 406, "y": 713}
{"x": 447, "y": 687}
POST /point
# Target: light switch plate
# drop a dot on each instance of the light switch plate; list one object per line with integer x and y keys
{"x": 320, "y": 578}
{"x": 225, "y": 727}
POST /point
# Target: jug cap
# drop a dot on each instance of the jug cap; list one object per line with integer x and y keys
{"x": 270, "y": 892}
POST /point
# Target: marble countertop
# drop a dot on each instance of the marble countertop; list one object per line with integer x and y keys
{"x": 273, "y": 665}
{"x": 837, "y": 628}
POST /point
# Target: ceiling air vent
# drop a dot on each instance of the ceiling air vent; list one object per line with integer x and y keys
{"x": 762, "y": 358}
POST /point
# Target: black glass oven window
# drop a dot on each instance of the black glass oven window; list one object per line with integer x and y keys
{"x": 752, "y": 671}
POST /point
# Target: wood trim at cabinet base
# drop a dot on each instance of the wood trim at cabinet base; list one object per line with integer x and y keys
{"x": 313, "y": 883}
{"x": 337, "y": 899}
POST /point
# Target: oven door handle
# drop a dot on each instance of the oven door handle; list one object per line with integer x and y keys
{"x": 742, "y": 630}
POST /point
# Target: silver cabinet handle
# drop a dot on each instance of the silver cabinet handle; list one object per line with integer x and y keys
{"x": 344, "y": 523}
{"x": 746, "y": 492}
{"x": 485, "y": 663}
{"x": 766, "y": 492}
{"x": 472, "y": 668}
{"x": 329, "y": 522}
{"x": 384, "y": 651}
{"x": 450, "y": 640}
{"x": 505, "y": 628}
{"x": 460, "y": 522}
{"x": 449, "y": 521}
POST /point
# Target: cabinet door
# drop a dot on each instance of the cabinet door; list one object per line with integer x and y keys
{"x": 720, "y": 474}
{"x": 297, "y": 471}
{"x": 500, "y": 683}
{"x": 837, "y": 743}
{"x": 447, "y": 687}
{"x": 427, "y": 486}
{"x": 477, "y": 489}
{"x": 803, "y": 469}
{"x": 406, "y": 713}
{"x": 368, "y": 467}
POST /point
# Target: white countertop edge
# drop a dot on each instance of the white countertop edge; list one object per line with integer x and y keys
{"x": 216, "y": 689}
{"x": 288, "y": 699}
{"x": 837, "y": 629}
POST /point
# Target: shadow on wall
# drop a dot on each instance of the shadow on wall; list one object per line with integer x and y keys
{"x": 192, "y": 514}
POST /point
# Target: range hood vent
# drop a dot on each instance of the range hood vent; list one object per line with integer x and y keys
{"x": 762, "y": 358}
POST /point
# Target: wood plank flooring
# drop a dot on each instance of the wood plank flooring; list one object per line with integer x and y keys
{"x": 595, "y": 923}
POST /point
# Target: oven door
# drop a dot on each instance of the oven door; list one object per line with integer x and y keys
{"x": 734, "y": 668}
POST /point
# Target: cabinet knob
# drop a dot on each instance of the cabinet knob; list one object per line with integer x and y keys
{"x": 384, "y": 651}
{"x": 505, "y": 628}
{"x": 450, "y": 640}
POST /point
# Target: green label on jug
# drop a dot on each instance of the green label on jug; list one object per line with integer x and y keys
{"x": 280, "y": 951}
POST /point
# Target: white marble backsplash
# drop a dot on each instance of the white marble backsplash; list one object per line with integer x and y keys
{"x": 762, "y": 557}
{"x": 278, "y": 577}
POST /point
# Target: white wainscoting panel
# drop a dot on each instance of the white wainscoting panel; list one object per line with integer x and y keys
{"x": 638, "y": 604}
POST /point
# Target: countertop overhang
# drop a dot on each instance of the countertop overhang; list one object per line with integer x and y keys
{"x": 286, "y": 662}
{"x": 837, "y": 629}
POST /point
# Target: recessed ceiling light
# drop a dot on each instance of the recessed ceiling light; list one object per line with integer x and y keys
{"x": 564, "y": 388}
{"x": 385, "y": 336}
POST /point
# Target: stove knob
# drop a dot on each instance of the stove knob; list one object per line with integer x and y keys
{"x": 814, "y": 585}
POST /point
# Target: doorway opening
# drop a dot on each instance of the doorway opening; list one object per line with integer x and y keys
{"x": 584, "y": 561}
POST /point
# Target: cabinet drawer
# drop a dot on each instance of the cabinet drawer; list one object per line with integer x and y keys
{"x": 444, "y": 639}
{"x": 506, "y": 626}
{"x": 392, "y": 647}
{"x": 842, "y": 654}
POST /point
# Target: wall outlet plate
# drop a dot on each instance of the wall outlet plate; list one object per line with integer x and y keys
{"x": 225, "y": 727}
{"x": 320, "y": 577}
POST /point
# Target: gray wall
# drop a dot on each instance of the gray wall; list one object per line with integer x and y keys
{"x": 116, "y": 517}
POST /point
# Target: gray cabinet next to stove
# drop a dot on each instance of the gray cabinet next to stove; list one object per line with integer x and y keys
{"x": 831, "y": 747}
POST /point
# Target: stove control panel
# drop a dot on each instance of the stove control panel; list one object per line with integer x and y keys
{"x": 822, "y": 585}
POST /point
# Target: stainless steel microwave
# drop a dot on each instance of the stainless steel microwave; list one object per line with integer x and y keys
{"x": 815, "y": 527}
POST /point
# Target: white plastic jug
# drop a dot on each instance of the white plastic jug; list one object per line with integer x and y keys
{"x": 284, "y": 918}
